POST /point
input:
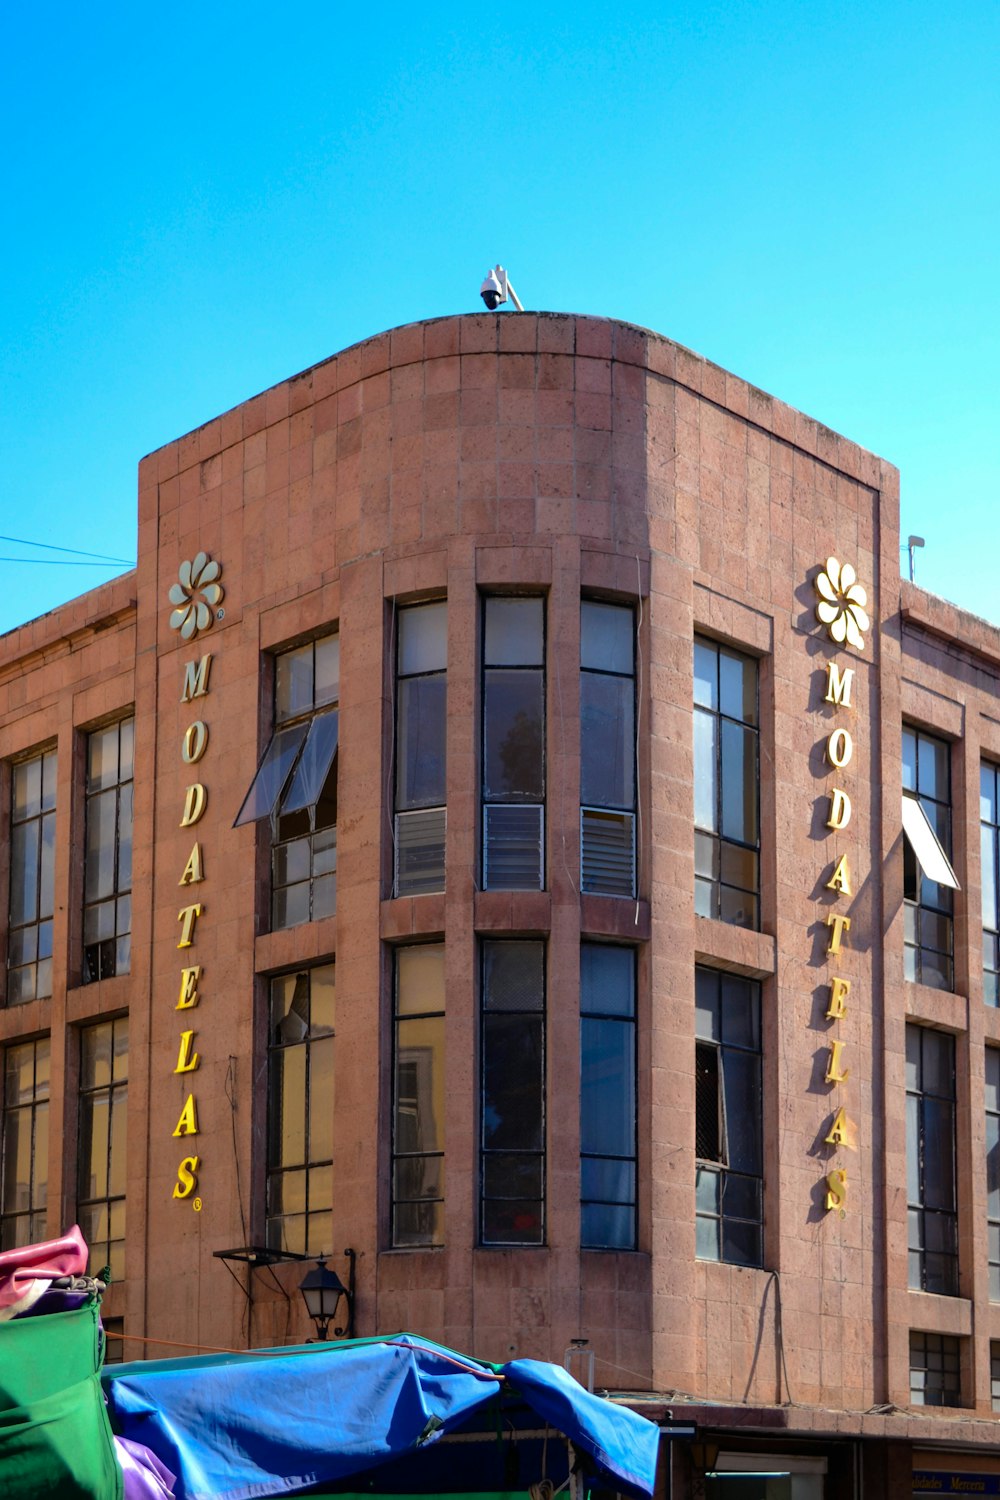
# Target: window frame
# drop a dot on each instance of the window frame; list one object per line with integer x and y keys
{"x": 923, "y": 962}
{"x": 712, "y": 884}
{"x": 45, "y": 818}
{"x": 948, "y": 1350}
{"x": 920, "y": 1216}
{"x": 98, "y": 961}
{"x": 728, "y": 1176}
{"x": 36, "y": 1108}
{"x": 489, "y": 1154}
{"x": 592, "y": 814}
{"x": 419, "y": 813}
{"x": 488, "y": 801}
{"x": 113, "y": 1091}
{"x": 275, "y": 1171}
{"x": 623, "y": 1019}
{"x": 397, "y": 1155}
{"x": 990, "y": 879}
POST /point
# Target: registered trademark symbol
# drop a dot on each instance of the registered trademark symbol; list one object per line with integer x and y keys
{"x": 197, "y": 1205}
{"x": 220, "y": 614}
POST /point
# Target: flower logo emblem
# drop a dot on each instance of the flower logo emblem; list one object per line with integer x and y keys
{"x": 842, "y": 604}
{"x": 196, "y": 596}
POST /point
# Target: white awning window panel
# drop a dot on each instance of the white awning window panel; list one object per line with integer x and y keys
{"x": 307, "y": 750}
{"x": 926, "y": 845}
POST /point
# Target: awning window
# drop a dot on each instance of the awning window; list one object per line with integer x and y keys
{"x": 301, "y": 754}
{"x": 926, "y": 845}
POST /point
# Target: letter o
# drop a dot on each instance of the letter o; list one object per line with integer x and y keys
{"x": 839, "y": 747}
{"x": 195, "y": 742}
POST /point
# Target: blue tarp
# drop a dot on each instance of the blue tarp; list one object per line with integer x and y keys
{"x": 242, "y": 1427}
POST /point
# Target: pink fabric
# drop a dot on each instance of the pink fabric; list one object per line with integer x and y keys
{"x": 25, "y": 1273}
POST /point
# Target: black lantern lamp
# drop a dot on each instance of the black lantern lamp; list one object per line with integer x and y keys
{"x": 322, "y": 1290}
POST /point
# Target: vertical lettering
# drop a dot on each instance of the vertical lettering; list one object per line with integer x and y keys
{"x": 196, "y": 678}
{"x": 195, "y": 742}
{"x": 195, "y": 799}
{"x": 187, "y": 916}
{"x": 187, "y": 1058}
{"x": 838, "y": 685}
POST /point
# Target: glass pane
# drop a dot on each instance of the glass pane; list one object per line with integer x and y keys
{"x": 39, "y": 1196}
{"x": 606, "y": 635}
{"x": 988, "y": 793}
{"x": 27, "y": 782}
{"x": 125, "y": 838}
{"x": 288, "y": 1082}
{"x": 988, "y": 853}
{"x": 606, "y": 979}
{"x": 513, "y": 1082}
{"x": 95, "y": 1062}
{"x": 514, "y": 633}
{"x": 707, "y": 1021}
{"x": 740, "y": 1012}
{"x": 513, "y": 716}
{"x": 24, "y": 851}
{"x": 322, "y": 997}
{"x": 738, "y": 866}
{"x": 932, "y": 769}
{"x": 909, "y": 760}
{"x": 94, "y": 1143}
{"x": 738, "y": 686}
{"x": 513, "y": 975}
{"x": 707, "y": 1239}
{"x": 126, "y": 749}
{"x": 993, "y": 1079}
{"x": 419, "y": 1116}
{"x": 706, "y": 848}
{"x": 324, "y": 897}
{"x": 706, "y": 673}
{"x": 739, "y": 783}
{"x": 47, "y": 883}
{"x": 321, "y": 1100}
{"x": 418, "y": 1177}
{"x": 117, "y": 1172}
{"x": 102, "y": 758}
{"x": 289, "y": 1018}
{"x": 939, "y": 1155}
{"x": 50, "y": 773}
{"x": 293, "y": 683}
{"x": 938, "y": 1059}
{"x": 912, "y": 1149}
{"x": 420, "y": 742}
{"x": 706, "y": 796}
{"x": 607, "y": 1088}
{"x": 16, "y": 1160}
{"x": 100, "y": 863}
{"x": 740, "y": 1243}
{"x": 741, "y": 1088}
{"x": 420, "y": 979}
{"x": 607, "y": 741}
{"x": 423, "y": 639}
{"x": 606, "y": 1180}
{"x": 602, "y": 1225}
{"x": 418, "y": 1224}
{"x": 327, "y": 669}
{"x": 272, "y": 774}
{"x": 511, "y": 1222}
{"x": 314, "y": 763}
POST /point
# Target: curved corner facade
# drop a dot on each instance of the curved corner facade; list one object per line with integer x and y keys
{"x": 494, "y": 866}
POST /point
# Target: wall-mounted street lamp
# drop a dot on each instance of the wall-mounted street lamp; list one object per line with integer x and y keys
{"x": 322, "y": 1290}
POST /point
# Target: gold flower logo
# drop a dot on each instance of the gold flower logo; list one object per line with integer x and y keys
{"x": 196, "y": 596}
{"x": 842, "y": 604}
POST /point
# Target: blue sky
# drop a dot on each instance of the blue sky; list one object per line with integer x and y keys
{"x": 200, "y": 201}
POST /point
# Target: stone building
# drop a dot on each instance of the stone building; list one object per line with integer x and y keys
{"x": 473, "y": 836}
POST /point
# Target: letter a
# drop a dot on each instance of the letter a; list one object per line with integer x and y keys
{"x": 188, "y": 1122}
{"x": 194, "y": 871}
{"x": 842, "y": 1132}
{"x": 840, "y": 880}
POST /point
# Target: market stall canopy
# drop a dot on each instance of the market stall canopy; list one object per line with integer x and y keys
{"x": 425, "y": 1419}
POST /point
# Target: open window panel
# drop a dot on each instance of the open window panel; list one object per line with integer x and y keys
{"x": 927, "y": 847}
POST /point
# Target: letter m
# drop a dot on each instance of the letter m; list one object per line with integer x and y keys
{"x": 196, "y": 678}
{"x": 838, "y": 687}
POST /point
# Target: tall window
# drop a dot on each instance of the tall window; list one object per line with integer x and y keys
{"x": 32, "y": 865}
{"x": 729, "y": 1168}
{"x": 300, "y": 1111}
{"x": 296, "y": 784}
{"x": 513, "y": 759}
{"x": 418, "y": 1097}
{"x": 995, "y": 1374}
{"x": 107, "y": 880}
{"x": 993, "y": 1167}
{"x": 421, "y": 722}
{"x": 927, "y": 911}
{"x": 512, "y": 1120}
{"x": 726, "y": 785}
{"x": 101, "y": 1157}
{"x": 607, "y": 1097}
{"x": 989, "y": 815}
{"x": 930, "y": 1160}
{"x": 607, "y": 748}
{"x": 24, "y": 1171}
{"x": 935, "y": 1370}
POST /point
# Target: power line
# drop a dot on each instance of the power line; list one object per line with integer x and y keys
{"x": 48, "y": 547}
{"x": 64, "y": 562}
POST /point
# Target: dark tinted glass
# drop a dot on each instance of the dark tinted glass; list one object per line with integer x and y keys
{"x": 513, "y": 740}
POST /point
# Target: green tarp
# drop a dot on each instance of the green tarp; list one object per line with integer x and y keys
{"x": 55, "y": 1438}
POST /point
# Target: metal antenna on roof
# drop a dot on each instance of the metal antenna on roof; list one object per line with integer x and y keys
{"x": 911, "y": 543}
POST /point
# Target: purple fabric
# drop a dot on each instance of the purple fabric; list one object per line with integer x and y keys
{"x": 55, "y": 1300}
{"x": 146, "y": 1478}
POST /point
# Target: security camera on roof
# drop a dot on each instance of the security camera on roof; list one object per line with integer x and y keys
{"x": 496, "y": 289}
